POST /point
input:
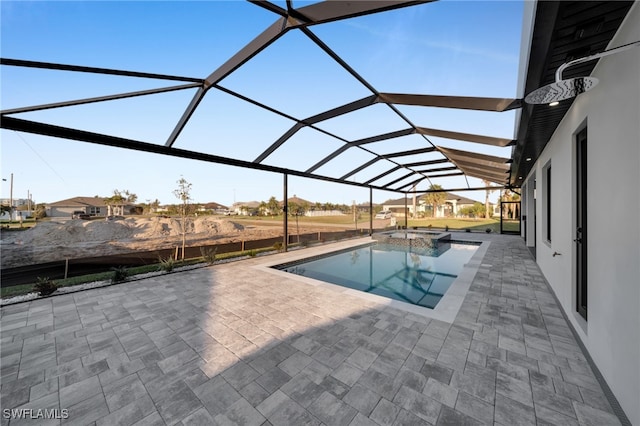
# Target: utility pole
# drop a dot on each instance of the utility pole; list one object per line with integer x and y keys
{"x": 11, "y": 197}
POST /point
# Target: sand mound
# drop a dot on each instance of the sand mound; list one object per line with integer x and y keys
{"x": 81, "y": 231}
{"x": 216, "y": 226}
{"x": 76, "y": 231}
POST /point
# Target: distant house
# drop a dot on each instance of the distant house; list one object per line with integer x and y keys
{"x": 245, "y": 208}
{"x": 213, "y": 207}
{"x": 93, "y": 206}
{"x": 451, "y": 206}
{"x": 297, "y": 200}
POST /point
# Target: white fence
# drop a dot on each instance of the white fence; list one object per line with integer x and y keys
{"x": 315, "y": 213}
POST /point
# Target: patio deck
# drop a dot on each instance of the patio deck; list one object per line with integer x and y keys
{"x": 229, "y": 344}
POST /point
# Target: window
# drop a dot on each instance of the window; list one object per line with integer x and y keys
{"x": 549, "y": 203}
{"x": 94, "y": 210}
{"x": 546, "y": 202}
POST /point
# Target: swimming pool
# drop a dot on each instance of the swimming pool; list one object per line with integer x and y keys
{"x": 413, "y": 275}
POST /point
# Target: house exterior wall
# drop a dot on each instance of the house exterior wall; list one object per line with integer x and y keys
{"x": 63, "y": 211}
{"x": 67, "y": 211}
{"x": 611, "y": 114}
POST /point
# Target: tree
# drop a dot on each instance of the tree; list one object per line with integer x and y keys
{"x": 435, "y": 199}
{"x": 115, "y": 203}
{"x": 40, "y": 211}
{"x": 487, "y": 208}
{"x": 475, "y": 211}
{"x": 296, "y": 210}
{"x": 183, "y": 193}
{"x": 262, "y": 208}
{"x": 510, "y": 209}
{"x": 273, "y": 206}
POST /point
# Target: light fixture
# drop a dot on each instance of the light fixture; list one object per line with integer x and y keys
{"x": 528, "y": 158}
{"x": 572, "y": 87}
{"x": 554, "y": 103}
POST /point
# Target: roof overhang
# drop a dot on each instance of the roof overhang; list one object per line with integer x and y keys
{"x": 562, "y": 31}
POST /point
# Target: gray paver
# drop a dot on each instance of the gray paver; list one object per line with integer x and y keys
{"x": 87, "y": 411}
{"x": 385, "y": 412}
{"x": 442, "y": 393}
{"x": 418, "y": 403}
{"x": 80, "y": 391}
{"x": 362, "y": 399}
{"x": 475, "y": 407}
{"x": 240, "y": 413}
{"x": 332, "y": 411}
{"x": 128, "y": 414}
{"x": 302, "y": 390}
{"x": 511, "y": 412}
{"x": 518, "y": 390}
{"x": 270, "y": 350}
{"x": 590, "y": 416}
{"x": 451, "y": 417}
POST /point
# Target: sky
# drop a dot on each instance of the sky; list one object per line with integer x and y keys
{"x": 441, "y": 48}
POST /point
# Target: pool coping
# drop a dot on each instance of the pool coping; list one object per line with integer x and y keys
{"x": 446, "y": 310}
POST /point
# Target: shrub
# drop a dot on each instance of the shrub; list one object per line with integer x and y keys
{"x": 209, "y": 254}
{"x": 467, "y": 230}
{"x": 120, "y": 274}
{"x": 44, "y": 286}
{"x": 252, "y": 253}
{"x": 278, "y": 246}
{"x": 446, "y": 227}
{"x": 167, "y": 264}
{"x": 488, "y": 230}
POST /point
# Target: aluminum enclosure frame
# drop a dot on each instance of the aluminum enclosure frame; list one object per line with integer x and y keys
{"x": 301, "y": 19}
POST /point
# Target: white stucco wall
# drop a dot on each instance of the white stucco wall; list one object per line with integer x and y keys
{"x": 611, "y": 112}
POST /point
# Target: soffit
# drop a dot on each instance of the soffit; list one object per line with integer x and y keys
{"x": 563, "y": 31}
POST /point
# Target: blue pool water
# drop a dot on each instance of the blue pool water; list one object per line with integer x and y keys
{"x": 408, "y": 274}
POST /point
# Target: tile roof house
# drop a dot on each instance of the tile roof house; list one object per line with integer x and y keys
{"x": 452, "y": 204}
{"x": 93, "y": 206}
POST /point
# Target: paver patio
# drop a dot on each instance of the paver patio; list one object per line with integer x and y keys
{"x": 228, "y": 344}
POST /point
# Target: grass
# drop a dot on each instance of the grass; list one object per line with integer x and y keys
{"x": 135, "y": 270}
{"x": 15, "y": 225}
{"x": 334, "y": 220}
{"x": 477, "y": 225}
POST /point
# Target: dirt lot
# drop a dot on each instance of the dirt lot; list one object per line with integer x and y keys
{"x": 51, "y": 241}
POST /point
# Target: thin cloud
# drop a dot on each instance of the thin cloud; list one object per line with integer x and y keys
{"x": 402, "y": 37}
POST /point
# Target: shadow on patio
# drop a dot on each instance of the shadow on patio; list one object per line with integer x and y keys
{"x": 227, "y": 345}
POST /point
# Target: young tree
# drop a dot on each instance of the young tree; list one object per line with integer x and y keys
{"x": 435, "y": 199}
{"x": 183, "y": 193}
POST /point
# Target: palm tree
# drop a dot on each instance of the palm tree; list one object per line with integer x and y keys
{"x": 486, "y": 199}
{"x": 118, "y": 200}
{"x": 262, "y": 208}
{"x": 273, "y": 206}
{"x": 435, "y": 199}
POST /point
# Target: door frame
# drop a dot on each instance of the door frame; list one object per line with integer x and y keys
{"x": 581, "y": 224}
